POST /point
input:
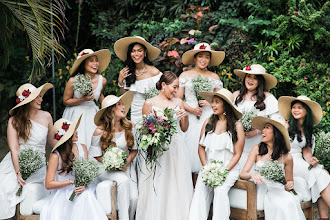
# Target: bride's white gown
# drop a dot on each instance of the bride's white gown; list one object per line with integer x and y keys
{"x": 167, "y": 195}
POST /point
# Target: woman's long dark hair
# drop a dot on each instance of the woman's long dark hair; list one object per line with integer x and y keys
{"x": 131, "y": 64}
{"x": 21, "y": 122}
{"x": 259, "y": 95}
{"x": 279, "y": 146}
{"x": 230, "y": 118}
{"x": 65, "y": 151}
{"x": 81, "y": 69}
{"x": 307, "y": 125}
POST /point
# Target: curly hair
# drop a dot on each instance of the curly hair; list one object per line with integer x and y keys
{"x": 21, "y": 122}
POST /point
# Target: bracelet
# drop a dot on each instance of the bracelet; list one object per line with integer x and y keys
{"x": 257, "y": 131}
{"x": 71, "y": 181}
{"x": 18, "y": 172}
{"x": 121, "y": 86}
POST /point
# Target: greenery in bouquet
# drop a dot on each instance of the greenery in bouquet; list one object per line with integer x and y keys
{"x": 247, "y": 116}
{"x": 201, "y": 84}
{"x": 214, "y": 173}
{"x": 114, "y": 158}
{"x": 85, "y": 172}
{"x": 322, "y": 149}
{"x": 30, "y": 160}
{"x": 83, "y": 84}
{"x": 273, "y": 171}
{"x": 150, "y": 93}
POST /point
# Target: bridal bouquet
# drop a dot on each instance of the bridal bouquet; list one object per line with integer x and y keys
{"x": 214, "y": 173}
{"x": 83, "y": 84}
{"x": 85, "y": 172}
{"x": 150, "y": 93}
{"x": 154, "y": 134}
{"x": 322, "y": 149}
{"x": 273, "y": 171}
{"x": 114, "y": 158}
{"x": 30, "y": 160}
{"x": 247, "y": 116}
{"x": 201, "y": 84}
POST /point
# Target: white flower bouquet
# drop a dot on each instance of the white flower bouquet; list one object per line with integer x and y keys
{"x": 273, "y": 171}
{"x": 214, "y": 173}
{"x": 114, "y": 158}
{"x": 247, "y": 116}
{"x": 30, "y": 160}
{"x": 83, "y": 84}
{"x": 201, "y": 84}
{"x": 150, "y": 93}
{"x": 85, "y": 172}
{"x": 322, "y": 148}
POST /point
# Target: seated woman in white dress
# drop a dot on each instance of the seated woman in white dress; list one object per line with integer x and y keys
{"x": 114, "y": 129}
{"x": 275, "y": 145}
{"x": 139, "y": 75}
{"x": 92, "y": 64}
{"x": 28, "y": 126}
{"x": 302, "y": 113}
{"x": 222, "y": 139}
{"x": 60, "y": 181}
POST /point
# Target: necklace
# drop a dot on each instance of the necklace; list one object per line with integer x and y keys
{"x": 141, "y": 71}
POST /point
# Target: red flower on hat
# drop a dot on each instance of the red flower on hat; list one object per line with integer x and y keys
{"x": 18, "y": 100}
{"x": 83, "y": 53}
{"x": 248, "y": 68}
{"x": 26, "y": 93}
{"x": 65, "y": 126}
{"x": 202, "y": 47}
{"x": 57, "y": 136}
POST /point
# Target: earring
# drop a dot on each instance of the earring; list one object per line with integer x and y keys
{"x": 163, "y": 90}
{"x": 145, "y": 55}
{"x": 224, "y": 113}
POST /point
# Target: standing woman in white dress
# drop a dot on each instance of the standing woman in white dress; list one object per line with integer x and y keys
{"x": 279, "y": 203}
{"x": 167, "y": 193}
{"x": 28, "y": 126}
{"x": 89, "y": 63}
{"x": 201, "y": 56}
{"x": 253, "y": 94}
{"x": 302, "y": 113}
{"x": 114, "y": 129}
{"x": 139, "y": 75}
{"x": 60, "y": 180}
{"x": 222, "y": 139}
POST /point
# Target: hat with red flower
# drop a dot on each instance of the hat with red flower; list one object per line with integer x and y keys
{"x": 27, "y": 93}
{"x": 216, "y": 56}
{"x": 64, "y": 129}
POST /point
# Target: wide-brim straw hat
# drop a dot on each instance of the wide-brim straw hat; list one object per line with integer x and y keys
{"x": 68, "y": 133}
{"x": 103, "y": 56}
{"x": 225, "y": 95}
{"x": 121, "y": 47}
{"x": 284, "y": 106}
{"x": 34, "y": 92}
{"x": 259, "y": 123}
{"x": 216, "y": 56}
{"x": 257, "y": 69}
{"x": 111, "y": 100}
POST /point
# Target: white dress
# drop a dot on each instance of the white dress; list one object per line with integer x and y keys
{"x": 316, "y": 178}
{"x": 84, "y": 206}
{"x": 96, "y": 151}
{"x": 8, "y": 179}
{"x": 279, "y": 203}
{"x": 218, "y": 147}
{"x": 168, "y": 194}
{"x": 88, "y": 109}
{"x": 139, "y": 88}
{"x": 195, "y": 125}
{"x": 270, "y": 111}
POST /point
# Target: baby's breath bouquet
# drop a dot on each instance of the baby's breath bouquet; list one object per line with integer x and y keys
{"x": 150, "y": 93}
{"x": 247, "y": 116}
{"x": 85, "y": 172}
{"x": 201, "y": 84}
{"x": 114, "y": 158}
{"x": 214, "y": 173}
{"x": 322, "y": 148}
{"x": 30, "y": 160}
{"x": 83, "y": 84}
{"x": 273, "y": 171}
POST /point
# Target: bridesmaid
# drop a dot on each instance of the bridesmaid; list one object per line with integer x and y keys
{"x": 201, "y": 56}
{"x": 301, "y": 114}
{"x": 275, "y": 145}
{"x": 60, "y": 180}
{"x": 253, "y": 94}
{"x": 28, "y": 126}
{"x": 138, "y": 75}
{"x": 90, "y": 63}
{"x": 222, "y": 139}
{"x": 113, "y": 129}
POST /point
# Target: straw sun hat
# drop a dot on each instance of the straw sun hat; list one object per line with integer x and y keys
{"x": 121, "y": 47}
{"x": 111, "y": 100}
{"x": 259, "y": 123}
{"x": 27, "y": 93}
{"x": 284, "y": 106}
{"x": 216, "y": 56}
{"x": 257, "y": 69}
{"x": 64, "y": 129}
{"x": 225, "y": 95}
{"x": 104, "y": 57}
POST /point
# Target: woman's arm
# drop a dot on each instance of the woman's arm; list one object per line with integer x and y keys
{"x": 238, "y": 146}
{"x": 123, "y": 74}
{"x": 245, "y": 174}
{"x": 104, "y": 83}
{"x": 201, "y": 149}
{"x": 147, "y": 107}
{"x": 184, "y": 122}
{"x": 288, "y": 167}
{"x": 50, "y": 135}
{"x": 308, "y": 156}
{"x": 68, "y": 99}
{"x": 96, "y": 151}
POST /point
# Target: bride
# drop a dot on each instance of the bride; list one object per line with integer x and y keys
{"x": 168, "y": 193}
